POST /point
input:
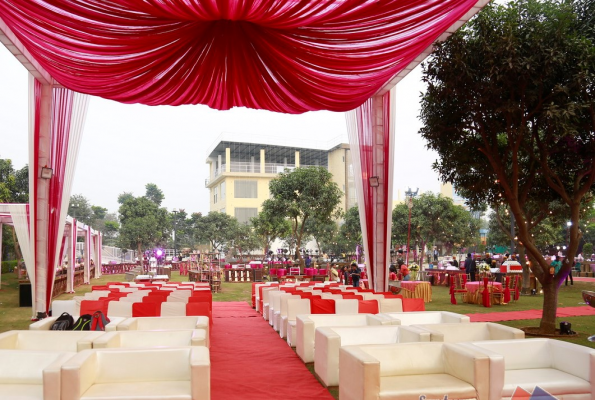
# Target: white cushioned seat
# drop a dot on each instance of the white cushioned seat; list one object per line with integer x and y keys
{"x": 407, "y": 371}
{"x": 346, "y": 306}
{"x": 474, "y": 331}
{"x": 158, "y": 323}
{"x": 177, "y": 373}
{"x": 173, "y": 309}
{"x": 295, "y": 306}
{"x": 121, "y": 309}
{"x": 306, "y": 326}
{"x": 69, "y": 341}
{"x": 136, "y": 339}
{"x": 425, "y": 317}
{"x": 565, "y": 370}
{"x": 31, "y": 374}
{"x": 328, "y": 341}
{"x": 281, "y": 310}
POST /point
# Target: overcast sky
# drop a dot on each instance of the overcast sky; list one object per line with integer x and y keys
{"x": 124, "y": 146}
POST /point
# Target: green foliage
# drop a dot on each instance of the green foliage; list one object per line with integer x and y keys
{"x": 14, "y": 185}
{"x": 122, "y": 197}
{"x": 268, "y": 227}
{"x": 509, "y": 110}
{"x": 351, "y": 230}
{"x": 303, "y": 194}
{"x": 587, "y": 250}
{"x": 216, "y": 228}
{"x": 324, "y": 233}
{"x": 80, "y": 208}
{"x": 9, "y": 266}
{"x": 154, "y": 194}
{"x": 143, "y": 224}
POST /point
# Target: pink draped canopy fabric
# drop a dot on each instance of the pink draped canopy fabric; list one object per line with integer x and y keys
{"x": 288, "y": 56}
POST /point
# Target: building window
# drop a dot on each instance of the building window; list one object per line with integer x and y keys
{"x": 222, "y": 191}
{"x": 215, "y": 194}
{"x": 245, "y": 189}
{"x": 243, "y": 214}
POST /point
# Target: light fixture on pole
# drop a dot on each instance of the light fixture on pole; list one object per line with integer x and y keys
{"x": 374, "y": 181}
{"x": 46, "y": 172}
{"x": 409, "y": 195}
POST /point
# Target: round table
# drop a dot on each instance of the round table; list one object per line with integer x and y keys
{"x": 472, "y": 287}
{"x": 416, "y": 290}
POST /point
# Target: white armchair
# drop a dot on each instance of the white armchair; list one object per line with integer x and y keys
{"x": 28, "y": 374}
{"x": 159, "y": 323}
{"x": 140, "y": 374}
{"x": 411, "y": 370}
{"x": 425, "y": 317}
{"x": 164, "y": 338}
{"x": 66, "y": 341}
{"x": 470, "y": 332}
{"x": 565, "y": 370}
{"x": 306, "y": 326}
{"x": 328, "y": 341}
{"x": 295, "y": 306}
{"x": 281, "y": 310}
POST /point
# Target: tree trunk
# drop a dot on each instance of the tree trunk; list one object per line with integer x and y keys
{"x": 140, "y": 255}
{"x": 550, "y": 303}
{"x": 526, "y": 272}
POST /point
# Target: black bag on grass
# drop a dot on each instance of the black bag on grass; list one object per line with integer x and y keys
{"x": 64, "y": 322}
{"x": 83, "y": 323}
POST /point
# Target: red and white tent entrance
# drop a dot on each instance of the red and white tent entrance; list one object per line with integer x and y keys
{"x": 277, "y": 55}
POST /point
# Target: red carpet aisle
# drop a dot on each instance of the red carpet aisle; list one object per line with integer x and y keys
{"x": 249, "y": 361}
{"x": 579, "y": 311}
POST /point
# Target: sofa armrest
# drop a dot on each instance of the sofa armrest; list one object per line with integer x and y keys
{"x": 503, "y": 332}
{"x": 51, "y": 377}
{"x": 470, "y": 365}
{"x": 42, "y": 324}
{"x": 78, "y": 374}
{"x": 107, "y": 340}
{"x": 574, "y": 360}
{"x": 304, "y": 339}
{"x": 199, "y": 338}
{"x": 200, "y": 373}
{"x": 450, "y": 317}
{"x": 360, "y": 374}
{"x": 129, "y": 324}
{"x": 326, "y": 355}
{"x": 413, "y": 333}
{"x": 391, "y": 320}
{"x": 376, "y": 320}
{"x": 8, "y": 340}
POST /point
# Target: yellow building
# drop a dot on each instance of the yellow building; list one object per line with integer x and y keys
{"x": 241, "y": 167}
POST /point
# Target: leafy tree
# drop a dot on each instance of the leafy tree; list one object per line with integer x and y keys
{"x": 244, "y": 240}
{"x": 143, "y": 224}
{"x": 122, "y": 197}
{"x": 303, "y": 194}
{"x": 154, "y": 193}
{"x": 268, "y": 227}
{"x": 80, "y": 208}
{"x": 509, "y": 109}
{"x": 351, "y": 230}
{"x": 323, "y": 233}
{"x": 14, "y": 188}
{"x": 216, "y": 228}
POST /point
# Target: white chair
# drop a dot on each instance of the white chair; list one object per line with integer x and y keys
{"x": 294, "y": 307}
{"x": 173, "y": 309}
{"x": 158, "y": 323}
{"x": 390, "y": 305}
{"x": 274, "y": 305}
{"x": 65, "y": 341}
{"x": 265, "y": 301}
{"x": 28, "y": 374}
{"x": 474, "y": 331}
{"x": 140, "y": 374}
{"x": 413, "y": 370}
{"x": 119, "y": 309}
{"x": 306, "y": 327}
{"x": 565, "y": 370}
{"x": 346, "y": 306}
{"x": 138, "y": 339}
{"x": 329, "y": 340}
{"x": 62, "y": 306}
{"x": 425, "y": 317}
{"x": 282, "y": 310}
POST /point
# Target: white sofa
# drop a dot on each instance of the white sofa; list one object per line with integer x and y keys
{"x": 70, "y": 341}
{"x": 295, "y": 306}
{"x": 31, "y": 374}
{"x": 306, "y": 327}
{"x": 265, "y": 300}
{"x": 164, "y": 338}
{"x": 407, "y": 371}
{"x": 328, "y": 341}
{"x": 46, "y": 323}
{"x": 425, "y": 317}
{"x": 565, "y": 370}
{"x": 474, "y": 331}
{"x": 159, "y": 323}
{"x": 181, "y": 373}
{"x": 281, "y": 310}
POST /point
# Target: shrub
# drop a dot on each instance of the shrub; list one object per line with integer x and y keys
{"x": 9, "y": 266}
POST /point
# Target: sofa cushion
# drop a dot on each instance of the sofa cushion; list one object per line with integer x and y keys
{"x": 434, "y": 386}
{"x": 166, "y": 390}
{"x": 25, "y": 367}
{"x": 408, "y": 358}
{"x": 368, "y": 306}
{"x": 553, "y": 381}
{"x": 18, "y": 392}
{"x": 368, "y": 334}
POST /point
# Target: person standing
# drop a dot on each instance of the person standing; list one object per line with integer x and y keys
{"x": 470, "y": 266}
{"x": 435, "y": 254}
{"x": 355, "y": 274}
{"x": 345, "y": 274}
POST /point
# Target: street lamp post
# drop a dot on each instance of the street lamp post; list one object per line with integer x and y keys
{"x": 410, "y": 195}
{"x": 175, "y": 212}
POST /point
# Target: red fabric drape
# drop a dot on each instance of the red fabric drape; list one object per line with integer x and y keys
{"x": 279, "y": 55}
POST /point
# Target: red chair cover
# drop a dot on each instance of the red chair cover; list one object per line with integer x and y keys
{"x": 102, "y": 287}
{"x": 486, "y": 293}
{"x": 154, "y": 299}
{"x": 413, "y": 305}
{"x": 367, "y": 306}
{"x": 200, "y": 309}
{"x": 146, "y": 309}
{"x": 90, "y": 306}
{"x": 322, "y": 306}
{"x": 517, "y": 293}
{"x": 507, "y": 289}
{"x": 352, "y": 296}
{"x": 453, "y": 299}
